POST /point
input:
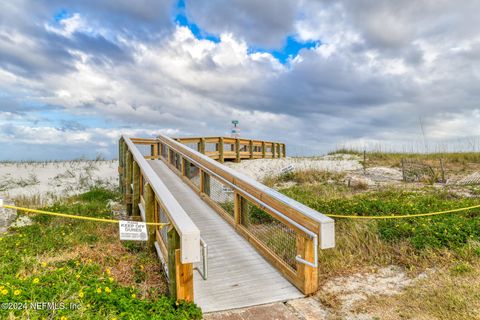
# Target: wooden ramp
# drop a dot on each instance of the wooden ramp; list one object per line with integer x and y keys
{"x": 238, "y": 276}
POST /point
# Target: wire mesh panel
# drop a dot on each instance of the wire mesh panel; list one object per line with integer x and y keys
{"x": 192, "y": 172}
{"x": 143, "y": 187}
{"x": 192, "y": 145}
{"x": 211, "y": 146}
{"x": 176, "y": 160}
{"x": 164, "y": 151}
{"x": 221, "y": 194}
{"x": 274, "y": 234}
{"x": 229, "y": 147}
{"x": 163, "y": 218}
{"x": 145, "y": 149}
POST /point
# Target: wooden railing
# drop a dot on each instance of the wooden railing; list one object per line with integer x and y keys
{"x": 145, "y": 195}
{"x": 284, "y": 231}
{"x": 236, "y": 149}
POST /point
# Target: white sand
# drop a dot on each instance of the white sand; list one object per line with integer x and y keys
{"x": 51, "y": 180}
{"x": 259, "y": 169}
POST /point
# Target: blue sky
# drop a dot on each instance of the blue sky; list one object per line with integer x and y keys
{"x": 74, "y": 76}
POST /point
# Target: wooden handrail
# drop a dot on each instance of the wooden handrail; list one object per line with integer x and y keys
{"x": 243, "y": 148}
{"x": 298, "y": 212}
{"x": 310, "y": 228}
{"x": 187, "y": 230}
{"x": 215, "y": 138}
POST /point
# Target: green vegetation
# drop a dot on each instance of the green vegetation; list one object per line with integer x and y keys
{"x": 83, "y": 265}
{"x": 445, "y": 231}
{"x": 415, "y": 243}
{"x": 444, "y": 249}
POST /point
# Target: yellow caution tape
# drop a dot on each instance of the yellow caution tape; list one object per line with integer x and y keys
{"x": 77, "y": 217}
{"x": 403, "y": 216}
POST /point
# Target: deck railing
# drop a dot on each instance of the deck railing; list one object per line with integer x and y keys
{"x": 228, "y": 148}
{"x": 145, "y": 195}
{"x": 284, "y": 231}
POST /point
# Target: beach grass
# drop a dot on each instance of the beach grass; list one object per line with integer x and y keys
{"x": 83, "y": 266}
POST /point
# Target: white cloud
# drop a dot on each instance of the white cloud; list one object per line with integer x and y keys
{"x": 379, "y": 69}
{"x": 69, "y": 25}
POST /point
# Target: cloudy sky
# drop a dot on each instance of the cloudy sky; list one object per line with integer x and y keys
{"x": 74, "y": 75}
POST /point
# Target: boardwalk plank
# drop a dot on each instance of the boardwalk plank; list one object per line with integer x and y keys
{"x": 238, "y": 275}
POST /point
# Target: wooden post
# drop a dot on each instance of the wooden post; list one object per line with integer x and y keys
{"x": 200, "y": 173}
{"x": 183, "y": 278}
{"x": 273, "y": 150}
{"x": 237, "y": 150}
{"x": 279, "y": 154}
{"x": 205, "y": 182}
{"x": 136, "y": 189}
{"x": 150, "y": 214}
{"x": 154, "y": 150}
{"x": 185, "y": 168}
{"x": 128, "y": 183}
{"x": 284, "y": 150}
{"x": 308, "y": 275}
{"x": 120, "y": 165}
{"x": 172, "y": 245}
{"x": 263, "y": 149}
{"x": 202, "y": 145}
{"x": 251, "y": 149}
{"x": 220, "y": 150}
{"x": 237, "y": 208}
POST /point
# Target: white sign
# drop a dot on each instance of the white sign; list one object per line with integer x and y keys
{"x": 133, "y": 230}
{"x": 288, "y": 169}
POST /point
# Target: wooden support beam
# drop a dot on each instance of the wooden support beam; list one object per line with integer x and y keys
{"x": 273, "y": 150}
{"x": 150, "y": 214}
{"x": 128, "y": 182}
{"x": 220, "y": 150}
{"x": 185, "y": 167}
{"x": 154, "y": 150}
{"x": 205, "y": 181}
{"x": 250, "y": 148}
{"x": 308, "y": 275}
{"x": 201, "y": 180}
{"x": 184, "y": 278}
{"x": 172, "y": 245}
{"x": 202, "y": 145}
{"x": 237, "y": 208}
{"x": 284, "y": 150}
{"x": 121, "y": 170}
{"x": 263, "y": 149}
{"x": 237, "y": 150}
{"x": 136, "y": 189}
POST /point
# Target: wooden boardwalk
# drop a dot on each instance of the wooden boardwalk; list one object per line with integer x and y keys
{"x": 238, "y": 275}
